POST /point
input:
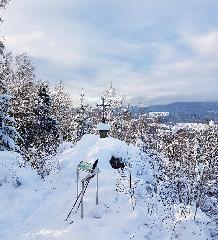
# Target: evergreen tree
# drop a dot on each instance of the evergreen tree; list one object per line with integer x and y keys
{"x": 47, "y": 124}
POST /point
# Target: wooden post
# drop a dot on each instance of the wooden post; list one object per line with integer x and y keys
{"x": 82, "y": 199}
{"x": 97, "y": 191}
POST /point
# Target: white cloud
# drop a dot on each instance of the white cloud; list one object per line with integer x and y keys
{"x": 205, "y": 44}
{"x": 40, "y": 44}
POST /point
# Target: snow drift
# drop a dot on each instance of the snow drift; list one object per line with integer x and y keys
{"x": 37, "y": 208}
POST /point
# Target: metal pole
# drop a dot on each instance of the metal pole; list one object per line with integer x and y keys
{"x": 131, "y": 190}
{"x": 82, "y": 199}
{"x": 130, "y": 182}
{"x": 103, "y": 120}
{"x": 77, "y": 187}
{"x": 97, "y": 191}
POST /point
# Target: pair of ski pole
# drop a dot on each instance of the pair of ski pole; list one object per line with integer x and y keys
{"x": 82, "y": 191}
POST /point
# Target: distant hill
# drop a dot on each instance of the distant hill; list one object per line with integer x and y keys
{"x": 184, "y": 111}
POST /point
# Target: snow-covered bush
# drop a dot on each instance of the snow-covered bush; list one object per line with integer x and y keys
{"x": 13, "y": 170}
{"x": 190, "y": 168}
{"x": 8, "y": 133}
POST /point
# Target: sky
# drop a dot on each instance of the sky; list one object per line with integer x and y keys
{"x": 157, "y": 51}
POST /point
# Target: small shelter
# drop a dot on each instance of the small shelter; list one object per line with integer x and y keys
{"x": 103, "y": 129}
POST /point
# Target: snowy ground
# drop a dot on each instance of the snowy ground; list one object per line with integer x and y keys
{"x": 37, "y": 209}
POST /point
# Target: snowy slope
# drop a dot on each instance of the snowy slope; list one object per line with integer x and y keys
{"x": 37, "y": 209}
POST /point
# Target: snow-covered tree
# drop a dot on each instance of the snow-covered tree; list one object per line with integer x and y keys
{"x": 117, "y": 113}
{"x": 82, "y": 119}
{"x": 23, "y": 87}
{"x": 3, "y": 4}
{"x": 8, "y": 132}
{"x": 47, "y": 127}
{"x": 115, "y": 100}
{"x": 62, "y": 109}
{"x": 43, "y": 134}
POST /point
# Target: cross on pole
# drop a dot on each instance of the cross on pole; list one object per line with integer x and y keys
{"x": 104, "y": 106}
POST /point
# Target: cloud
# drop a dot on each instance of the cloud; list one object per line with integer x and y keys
{"x": 42, "y": 45}
{"x": 204, "y": 44}
{"x": 161, "y": 50}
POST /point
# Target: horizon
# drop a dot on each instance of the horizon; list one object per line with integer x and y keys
{"x": 184, "y": 102}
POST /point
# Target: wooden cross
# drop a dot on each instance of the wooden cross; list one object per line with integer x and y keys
{"x": 104, "y": 106}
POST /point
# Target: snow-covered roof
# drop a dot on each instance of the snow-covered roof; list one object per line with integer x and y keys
{"x": 158, "y": 114}
{"x": 103, "y": 126}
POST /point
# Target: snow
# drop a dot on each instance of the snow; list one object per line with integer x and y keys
{"x": 103, "y": 126}
{"x": 4, "y": 98}
{"x": 175, "y": 129}
{"x": 195, "y": 126}
{"x": 12, "y": 173}
{"x": 186, "y": 126}
{"x": 212, "y": 123}
{"x": 37, "y": 209}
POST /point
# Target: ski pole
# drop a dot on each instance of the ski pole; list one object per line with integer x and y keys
{"x": 75, "y": 203}
{"x": 81, "y": 197}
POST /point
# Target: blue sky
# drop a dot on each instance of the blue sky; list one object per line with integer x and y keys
{"x": 161, "y": 50}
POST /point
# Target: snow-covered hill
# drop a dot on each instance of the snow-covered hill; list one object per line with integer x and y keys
{"x": 37, "y": 209}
